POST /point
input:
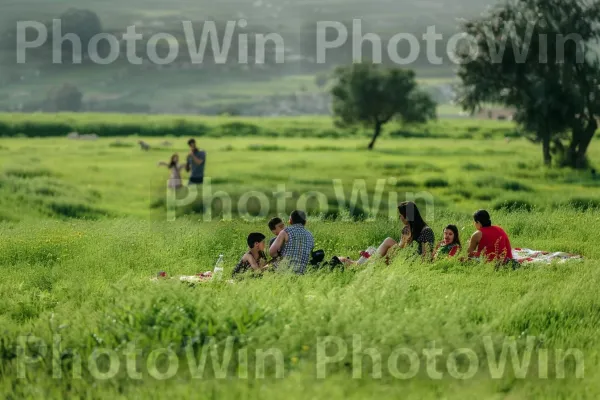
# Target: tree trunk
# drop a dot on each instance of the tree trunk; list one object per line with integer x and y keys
{"x": 584, "y": 142}
{"x": 375, "y": 134}
{"x": 546, "y": 148}
{"x": 571, "y": 153}
{"x": 580, "y": 141}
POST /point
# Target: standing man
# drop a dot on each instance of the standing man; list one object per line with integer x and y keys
{"x": 195, "y": 162}
{"x": 295, "y": 243}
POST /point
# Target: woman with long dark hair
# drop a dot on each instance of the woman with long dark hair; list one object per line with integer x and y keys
{"x": 415, "y": 230}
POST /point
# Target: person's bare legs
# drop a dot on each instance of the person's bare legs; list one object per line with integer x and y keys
{"x": 386, "y": 246}
{"x": 346, "y": 260}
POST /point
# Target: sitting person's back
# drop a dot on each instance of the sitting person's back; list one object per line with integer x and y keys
{"x": 494, "y": 244}
{"x": 295, "y": 243}
{"x": 490, "y": 241}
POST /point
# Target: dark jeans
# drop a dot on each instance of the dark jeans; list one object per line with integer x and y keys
{"x": 196, "y": 181}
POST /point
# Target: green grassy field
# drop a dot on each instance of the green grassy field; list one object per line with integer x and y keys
{"x": 84, "y": 226}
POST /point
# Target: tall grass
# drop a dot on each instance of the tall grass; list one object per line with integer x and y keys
{"x": 83, "y": 228}
{"x": 89, "y": 282}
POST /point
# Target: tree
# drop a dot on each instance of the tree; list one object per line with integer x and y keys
{"x": 536, "y": 56}
{"x": 371, "y": 96}
{"x": 65, "y": 98}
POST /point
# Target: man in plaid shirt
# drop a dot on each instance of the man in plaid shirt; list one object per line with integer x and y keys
{"x": 294, "y": 243}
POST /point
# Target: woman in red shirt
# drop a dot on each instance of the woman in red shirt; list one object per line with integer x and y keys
{"x": 489, "y": 241}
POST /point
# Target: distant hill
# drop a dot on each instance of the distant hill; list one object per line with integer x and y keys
{"x": 383, "y": 14}
{"x": 211, "y": 88}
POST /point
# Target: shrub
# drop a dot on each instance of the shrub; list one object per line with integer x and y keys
{"x": 67, "y": 209}
{"x": 583, "y": 204}
{"x": 322, "y": 148}
{"x": 463, "y": 193}
{"x": 513, "y": 205}
{"x": 406, "y": 183}
{"x": 485, "y": 196}
{"x": 472, "y": 167}
{"x": 496, "y": 182}
{"x": 436, "y": 183}
{"x": 515, "y": 186}
{"x": 329, "y": 133}
{"x": 424, "y": 167}
{"x": 28, "y": 173}
{"x": 239, "y": 129}
{"x": 415, "y": 134}
{"x": 265, "y": 147}
{"x": 522, "y": 165}
{"x": 512, "y": 134}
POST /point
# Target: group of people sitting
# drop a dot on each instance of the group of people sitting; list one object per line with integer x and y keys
{"x": 293, "y": 245}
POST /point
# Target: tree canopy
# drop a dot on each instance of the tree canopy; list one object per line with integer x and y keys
{"x": 537, "y": 56}
{"x": 369, "y": 95}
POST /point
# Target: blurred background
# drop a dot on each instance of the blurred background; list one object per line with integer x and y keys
{"x": 296, "y": 87}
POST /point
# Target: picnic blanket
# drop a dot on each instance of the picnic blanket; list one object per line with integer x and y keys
{"x": 523, "y": 256}
{"x": 191, "y": 279}
{"x": 202, "y": 277}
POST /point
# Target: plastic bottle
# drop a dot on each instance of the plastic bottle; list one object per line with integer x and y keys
{"x": 218, "y": 270}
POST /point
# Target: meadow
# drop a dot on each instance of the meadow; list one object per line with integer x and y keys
{"x": 84, "y": 226}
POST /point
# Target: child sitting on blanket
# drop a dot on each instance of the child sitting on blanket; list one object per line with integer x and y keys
{"x": 255, "y": 258}
{"x": 450, "y": 246}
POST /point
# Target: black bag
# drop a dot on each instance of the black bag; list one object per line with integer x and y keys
{"x": 317, "y": 257}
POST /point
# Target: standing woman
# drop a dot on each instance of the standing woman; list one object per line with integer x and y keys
{"x": 175, "y": 168}
{"x": 415, "y": 230}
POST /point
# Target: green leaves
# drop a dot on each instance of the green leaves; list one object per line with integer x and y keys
{"x": 371, "y": 96}
{"x": 534, "y": 56}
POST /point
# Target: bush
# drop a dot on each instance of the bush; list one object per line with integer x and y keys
{"x": 239, "y": 129}
{"x": 472, "y": 167}
{"x": 329, "y": 133}
{"x": 463, "y": 193}
{"x": 406, "y": 183}
{"x": 513, "y": 205}
{"x": 513, "y": 134}
{"x": 496, "y": 182}
{"x": 522, "y": 165}
{"x": 515, "y": 186}
{"x": 265, "y": 147}
{"x": 583, "y": 204}
{"x": 67, "y": 209}
{"x": 28, "y": 173}
{"x": 322, "y": 148}
{"x": 416, "y": 134}
{"x": 485, "y": 195}
{"x": 436, "y": 183}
